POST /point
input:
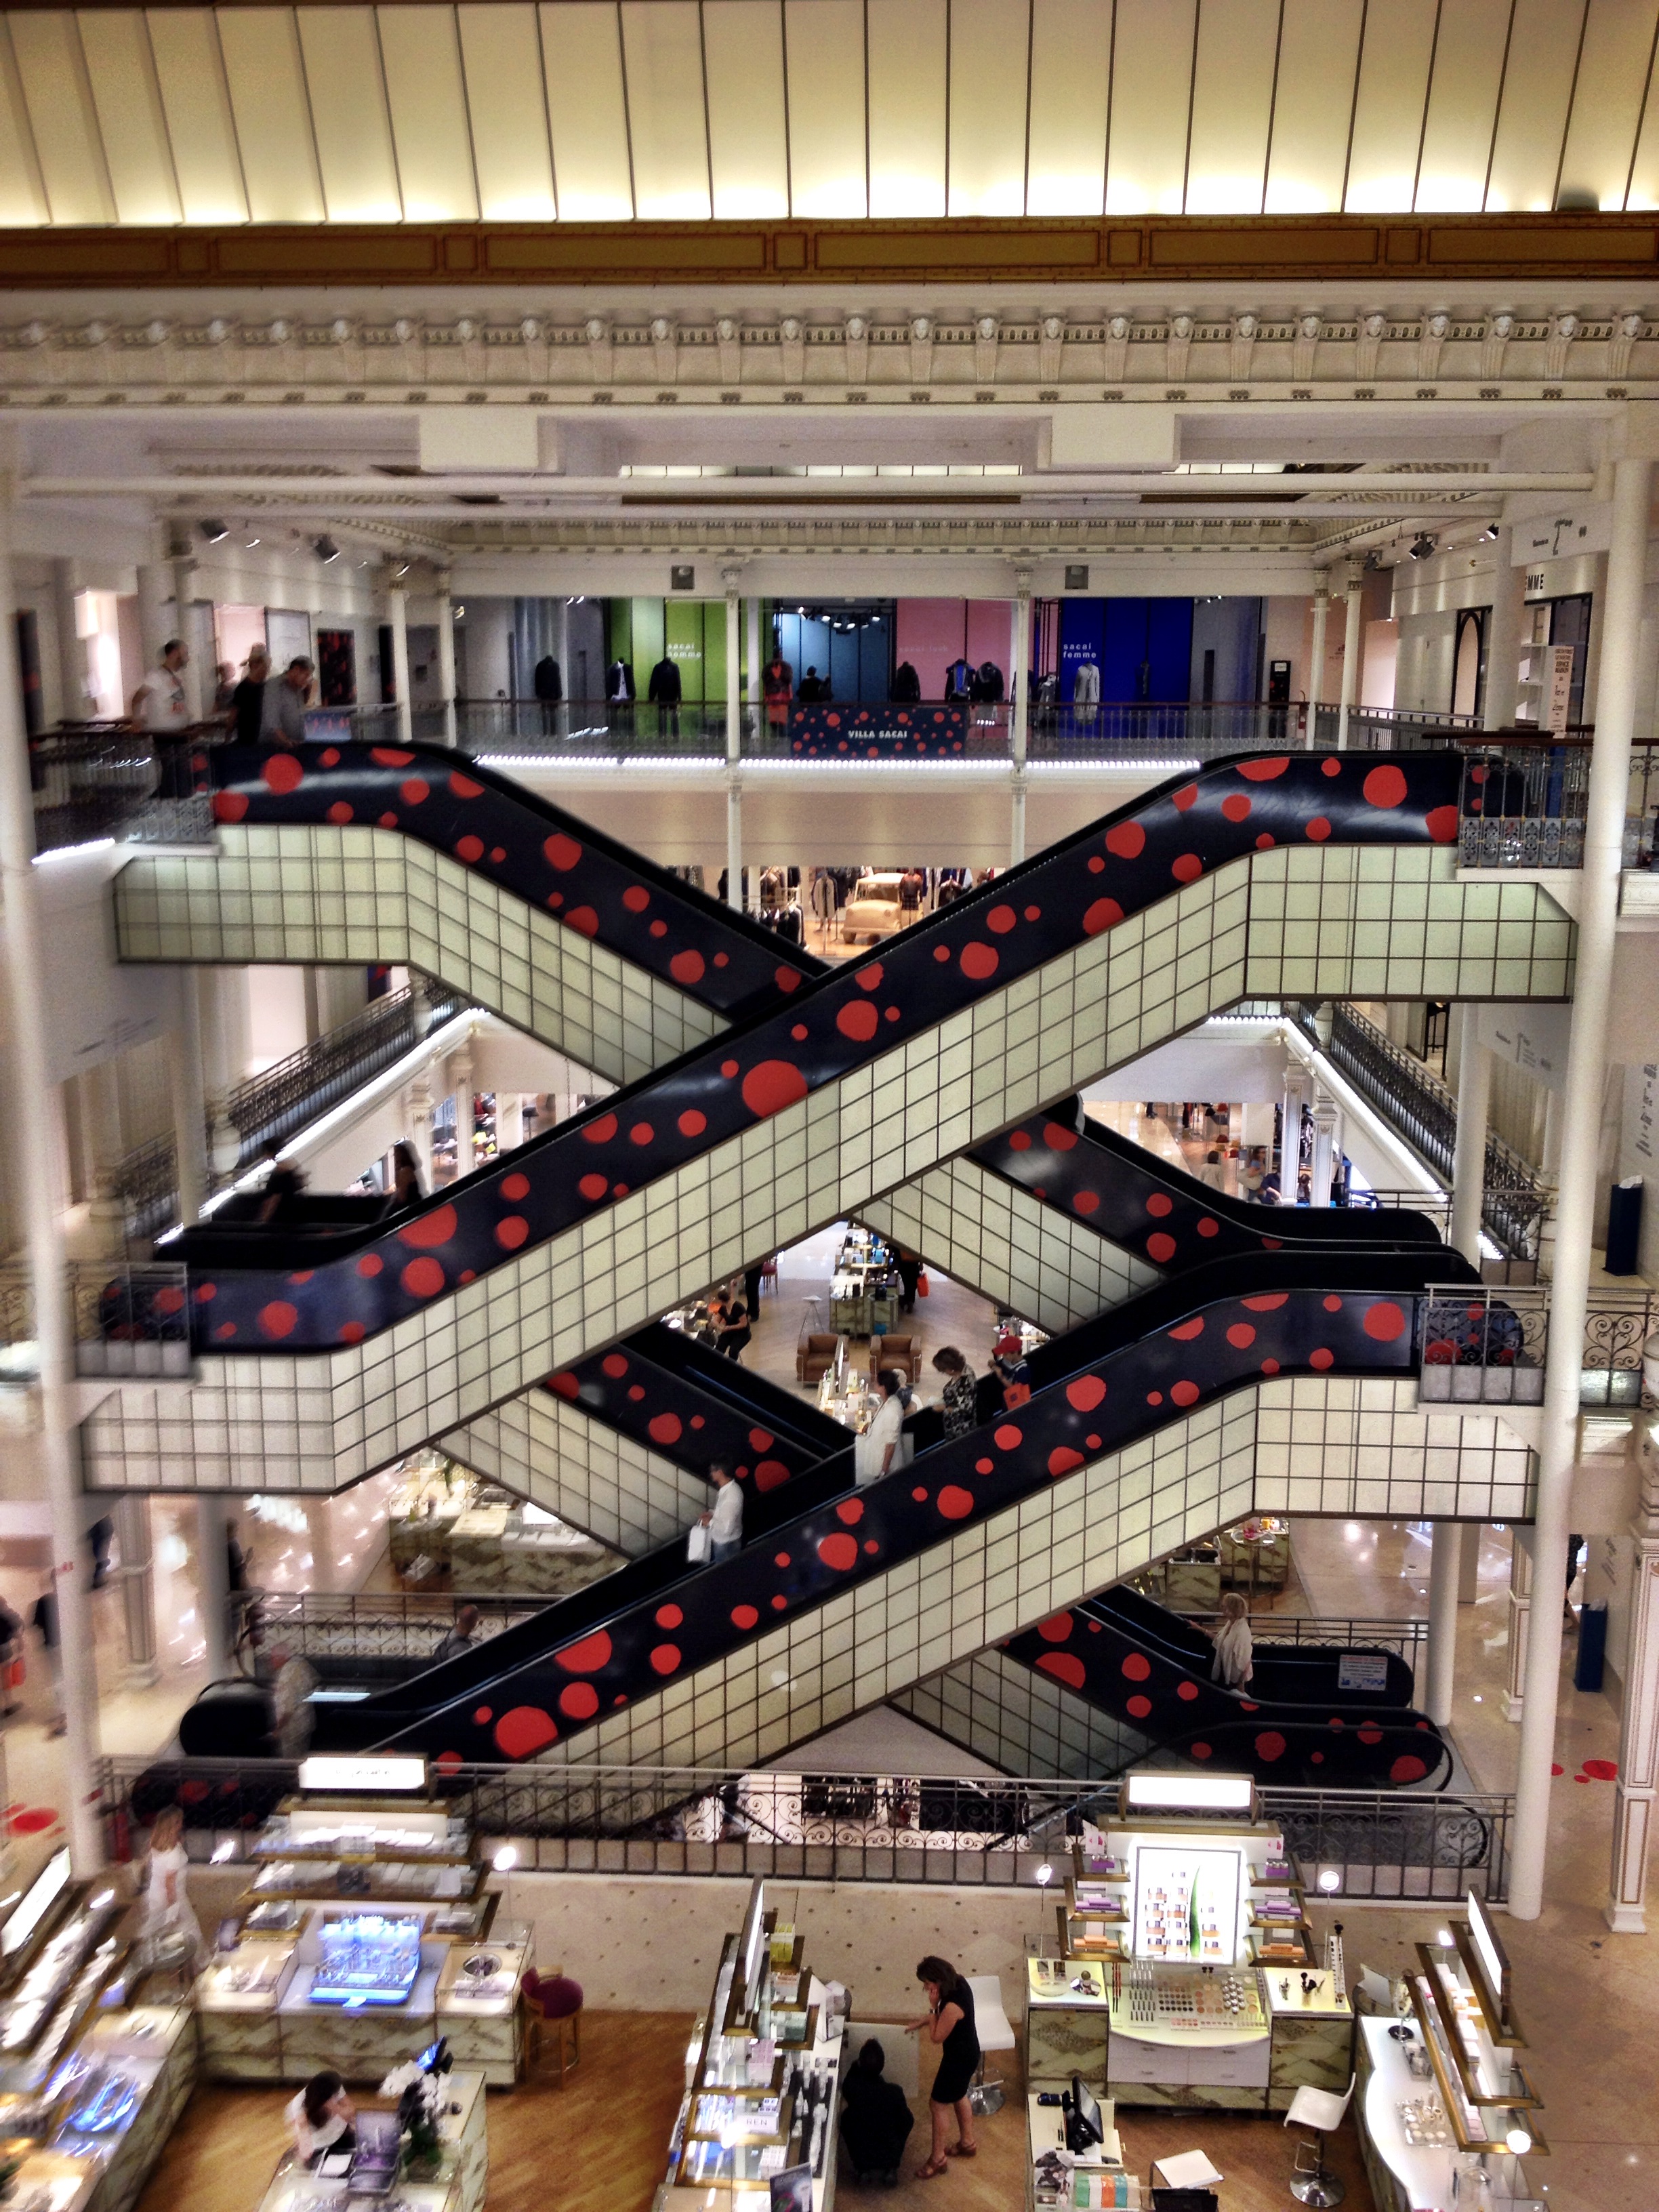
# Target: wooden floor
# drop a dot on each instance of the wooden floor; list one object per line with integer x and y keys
{"x": 600, "y": 2144}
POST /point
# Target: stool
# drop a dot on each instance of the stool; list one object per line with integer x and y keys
{"x": 553, "y": 2009}
{"x": 986, "y": 2091}
{"x": 1321, "y": 2110}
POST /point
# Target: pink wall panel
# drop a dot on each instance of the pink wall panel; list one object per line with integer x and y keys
{"x": 990, "y": 632}
{"x": 933, "y": 633}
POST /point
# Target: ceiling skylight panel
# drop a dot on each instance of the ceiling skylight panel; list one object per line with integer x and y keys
{"x": 1232, "y": 102}
{"x": 501, "y": 62}
{"x": 990, "y": 42}
{"x": 667, "y": 129}
{"x": 824, "y": 44}
{"x": 196, "y": 102}
{"x": 1071, "y": 88}
{"x": 1318, "y": 62}
{"x": 581, "y": 57}
{"x": 1387, "y": 119}
{"x": 906, "y": 107}
{"x": 748, "y": 142}
{"x": 1151, "y": 85}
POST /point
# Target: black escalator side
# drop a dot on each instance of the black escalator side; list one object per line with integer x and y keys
{"x": 1009, "y": 929}
{"x": 1102, "y": 1387}
{"x": 1285, "y": 1673}
{"x": 537, "y": 852}
{"x": 1157, "y": 1211}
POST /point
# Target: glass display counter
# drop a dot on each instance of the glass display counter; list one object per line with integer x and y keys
{"x": 447, "y": 1530}
{"x": 458, "y": 2186}
{"x": 478, "y": 2001}
{"x": 120, "y": 2094}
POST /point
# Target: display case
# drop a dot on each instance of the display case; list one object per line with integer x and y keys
{"x": 458, "y": 2186}
{"x": 446, "y": 1529}
{"x": 120, "y": 2094}
{"x": 366, "y": 1958}
{"x": 478, "y": 2001}
{"x": 763, "y": 2078}
{"x": 68, "y": 1951}
{"x": 1413, "y": 2158}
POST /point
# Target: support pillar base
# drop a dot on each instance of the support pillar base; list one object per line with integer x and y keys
{"x": 141, "y": 1677}
{"x": 1624, "y": 1919}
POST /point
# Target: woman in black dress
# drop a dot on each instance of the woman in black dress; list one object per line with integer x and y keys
{"x": 949, "y": 2021}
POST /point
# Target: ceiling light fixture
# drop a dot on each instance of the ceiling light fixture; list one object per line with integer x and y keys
{"x": 325, "y": 547}
{"x": 1423, "y": 546}
{"x": 213, "y": 532}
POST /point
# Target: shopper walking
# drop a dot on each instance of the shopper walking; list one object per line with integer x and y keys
{"x": 724, "y": 1521}
{"x": 875, "y": 1453}
{"x": 461, "y": 1637}
{"x": 167, "y": 1909}
{"x": 44, "y": 1621}
{"x": 949, "y": 2023}
{"x": 960, "y": 1384}
{"x": 1232, "y": 1665}
{"x": 406, "y": 1176}
{"x": 160, "y": 708}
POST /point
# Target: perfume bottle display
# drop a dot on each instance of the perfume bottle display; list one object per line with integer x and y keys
{"x": 368, "y": 1958}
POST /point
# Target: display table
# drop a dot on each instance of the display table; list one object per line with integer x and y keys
{"x": 459, "y": 2187}
{"x": 127, "y": 2084}
{"x": 1312, "y": 2035}
{"x": 1099, "y": 2171}
{"x": 1419, "y": 2177}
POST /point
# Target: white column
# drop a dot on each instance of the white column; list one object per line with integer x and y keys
{"x": 157, "y": 615}
{"x": 1019, "y": 720}
{"x": 142, "y": 1669}
{"x": 1289, "y": 1147}
{"x": 1469, "y": 1154}
{"x": 1520, "y": 1619}
{"x": 755, "y": 661}
{"x": 224, "y": 1141}
{"x": 188, "y": 1085}
{"x": 734, "y": 747}
{"x": 510, "y": 1120}
{"x": 195, "y": 687}
{"x": 460, "y": 1074}
{"x": 324, "y": 1572}
{"x": 397, "y": 607}
{"x": 213, "y": 1580}
{"x": 1321, "y": 609}
{"x": 1509, "y": 607}
{"x": 420, "y": 1127}
{"x": 1445, "y": 1557}
{"x": 447, "y": 657}
{"x": 25, "y": 1085}
{"x": 71, "y": 646}
{"x": 1324, "y": 1152}
{"x": 1636, "y": 1787}
{"x": 1350, "y": 690}
{"x": 1587, "y": 1053}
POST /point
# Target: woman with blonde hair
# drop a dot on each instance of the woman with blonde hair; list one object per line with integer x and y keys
{"x": 167, "y": 1909}
{"x": 1233, "y": 1667}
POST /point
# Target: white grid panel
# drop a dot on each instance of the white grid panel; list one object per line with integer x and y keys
{"x": 315, "y": 1422}
{"x": 1337, "y": 1444}
{"x": 620, "y": 1492}
{"x": 315, "y": 893}
{"x": 1022, "y": 1722}
{"x": 999, "y": 1241}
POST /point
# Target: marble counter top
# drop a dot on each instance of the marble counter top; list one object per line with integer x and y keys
{"x": 1325, "y": 2002}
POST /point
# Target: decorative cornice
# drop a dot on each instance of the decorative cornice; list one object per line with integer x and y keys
{"x": 1492, "y": 249}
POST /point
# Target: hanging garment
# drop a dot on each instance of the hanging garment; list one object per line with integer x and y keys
{"x": 619, "y": 682}
{"x": 548, "y": 680}
{"x": 665, "y": 687}
{"x": 905, "y": 689}
{"x": 1085, "y": 689}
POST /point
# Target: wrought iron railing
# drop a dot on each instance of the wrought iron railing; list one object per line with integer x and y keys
{"x": 274, "y": 1105}
{"x": 1486, "y": 1346}
{"x": 1524, "y": 796}
{"x": 381, "y": 1626}
{"x": 96, "y": 780}
{"x": 1269, "y": 1629}
{"x": 979, "y": 1833}
{"x": 1414, "y": 1101}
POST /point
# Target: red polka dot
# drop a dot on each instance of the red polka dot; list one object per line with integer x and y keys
{"x": 1056, "y": 1629}
{"x": 771, "y": 1087}
{"x": 1183, "y": 1393}
{"x": 352, "y": 1332}
{"x": 1602, "y": 1769}
{"x": 1319, "y": 830}
{"x": 525, "y": 1731}
{"x": 1137, "y": 1707}
{"x": 330, "y": 757}
{"x": 511, "y": 1231}
{"x": 779, "y": 1604}
{"x": 389, "y": 756}
{"x": 464, "y": 787}
{"x": 665, "y": 1658}
{"x": 983, "y": 1466}
{"x": 664, "y": 1428}
{"x": 482, "y": 1716}
{"x": 430, "y": 1229}
{"x": 470, "y": 849}
{"x": 780, "y": 1558}
{"x": 1408, "y": 1768}
{"x": 686, "y": 967}
{"x": 769, "y": 1474}
{"x": 615, "y": 1364}
{"x": 601, "y": 1131}
{"x": 1096, "y": 865}
{"x": 979, "y": 961}
{"x": 850, "y": 1510}
{"x": 636, "y": 1392}
{"x": 1240, "y": 1335}
{"x": 870, "y": 1545}
{"x": 1188, "y": 868}
{"x": 668, "y": 1616}
{"x": 1085, "y": 1394}
{"x": 1138, "y": 1667}
{"x": 586, "y": 1657}
{"x": 1321, "y": 1358}
{"x": 278, "y": 1319}
{"x": 1104, "y": 914}
{"x": 722, "y": 959}
{"x": 641, "y": 1133}
{"x": 1201, "y": 1750}
{"x": 743, "y": 1616}
{"x": 955, "y": 1503}
{"x": 1385, "y": 1322}
{"x": 1441, "y": 823}
{"x": 1000, "y": 920}
{"x": 282, "y": 773}
{"x": 1266, "y": 1301}
{"x": 1126, "y": 839}
{"x": 1065, "y": 1666}
{"x": 1208, "y": 1225}
{"x": 413, "y": 791}
{"x": 340, "y": 811}
{"x": 370, "y": 1264}
{"x": 1063, "y": 1460}
{"x": 787, "y": 979}
{"x": 941, "y": 952}
{"x": 1384, "y": 786}
{"x": 868, "y": 977}
{"x": 691, "y": 1123}
{"x": 1087, "y": 1201}
{"x": 388, "y": 821}
{"x": 171, "y": 1301}
{"x": 838, "y": 1553}
{"x": 1270, "y": 1367}
{"x": 1160, "y": 1247}
{"x": 579, "y": 1701}
{"x": 1019, "y": 1141}
{"x": 1008, "y": 1437}
{"x": 593, "y": 1186}
{"x": 564, "y": 1384}
{"x": 562, "y": 852}
{"x": 798, "y": 1032}
{"x": 422, "y": 1279}
{"x": 919, "y": 1495}
{"x": 515, "y": 1185}
{"x": 1034, "y": 914}
{"x": 225, "y": 1331}
{"x": 1332, "y": 1304}
{"x": 1236, "y": 807}
{"x": 583, "y": 920}
{"x": 1185, "y": 798}
{"x": 230, "y": 806}
{"x": 1269, "y": 1746}
{"x": 636, "y": 898}
{"x": 1188, "y": 1332}
{"x": 1187, "y": 1690}
{"x": 857, "y": 1020}
{"x": 660, "y": 929}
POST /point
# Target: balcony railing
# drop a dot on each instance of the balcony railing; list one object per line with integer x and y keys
{"x": 1486, "y": 1346}
{"x": 275, "y": 1104}
{"x": 1414, "y": 1101}
{"x": 1524, "y": 797}
{"x": 982, "y": 1832}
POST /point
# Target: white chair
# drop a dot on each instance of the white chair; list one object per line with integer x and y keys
{"x": 1321, "y": 2110}
{"x": 991, "y": 2023}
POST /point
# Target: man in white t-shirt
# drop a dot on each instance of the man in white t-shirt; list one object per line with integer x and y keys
{"x": 158, "y": 707}
{"x": 725, "y": 1522}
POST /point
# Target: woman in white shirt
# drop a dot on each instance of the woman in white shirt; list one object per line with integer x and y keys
{"x": 1233, "y": 1666}
{"x": 322, "y": 2119}
{"x": 167, "y": 1905}
{"x": 724, "y": 1521}
{"x": 876, "y": 1452}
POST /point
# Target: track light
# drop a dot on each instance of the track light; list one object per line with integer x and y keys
{"x": 325, "y": 547}
{"x": 213, "y": 532}
{"x": 1487, "y": 535}
{"x": 1423, "y": 546}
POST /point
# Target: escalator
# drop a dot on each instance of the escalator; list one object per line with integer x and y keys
{"x": 1298, "y": 1721}
{"x": 816, "y": 1541}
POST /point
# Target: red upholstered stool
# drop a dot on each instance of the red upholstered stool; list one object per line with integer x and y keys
{"x": 553, "y": 2012}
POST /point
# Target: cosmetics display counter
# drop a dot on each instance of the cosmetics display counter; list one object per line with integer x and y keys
{"x": 763, "y": 2079}
{"x": 459, "y": 2185}
{"x": 1163, "y": 1990}
{"x": 1254, "y": 1557}
{"x": 121, "y": 2093}
{"x": 865, "y": 1288}
{"x": 1447, "y": 2109}
{"x": 446, "y": 1529}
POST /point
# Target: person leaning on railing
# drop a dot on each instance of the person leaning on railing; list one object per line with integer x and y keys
{"x": 158, "y": 708}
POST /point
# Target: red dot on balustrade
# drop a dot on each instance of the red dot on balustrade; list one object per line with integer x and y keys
{"x": 1321, "y": 1358}
{"x": 1126, "y": 839}
{"x": 282, "y": 774}
{"x": 1208, "y": 1226}
{"x": 1000, "y": 920}
{"x": 636, "y": 1392}
{"x": 838, "y": 1553}
{"x": 422, "y": 1279}
{"x": 413, "y": 791}
{"x": 870, "y": 1545}
{"x": 919, "y": 1495}
{"x": 370, "y": 1264}
{"x": 1385, "y": 1322}
{"x": 1160, "y": 1247}
{"x": 722, "y": 959}
{"x": 1104, "y": 914}
{"x": 512, "y": 1231}
{"x": 587, "y": 1656}
{"x": 482, "y": 1716}
{"x": 770, "y": 1473}
{"x": 1240, "y": 1335}
{"x": 562, "y": 852}
{"x": 388, "y": 821}
{"x": 1441, "y": 823}
{"x": 515, "y": 1185}
{"x": 615, "y": 1364}
{"x": 1331, "y": 768}
{"x": 798, "y": 1032}
{"x": 1236, "y": 807}
{"x": 1137, "y": 1707}
{"x": 955, "y": 1503}
{"x": 850, "y": 1510}
{"x": 583, "y": 920}
{"x": 641, "y": 1133}
{"x": 1034, "y": 914}
{"x": 780, "y": 1558}
{"x": 1270, "y": 1367}
{"x": 697, "y": 1420}
{"x": 665, "y": 1658}
{"x": 1186, "y": 797}
{"x": 1057, "y": 1627}
{"x": 352, "y": 1332}
{"x": 555, "y": 900}
{"x": 470, "y": 849}
{"x": 278, "y": 1319}
{"x": 1160, "y": 1204}
{"x": 593, "y": 1186}
{"x": 660, "y": 929}
{"x": 1384, "y": 786}
{"x": 1087, "y": 1201}
{"x": 744, "y": 1616}
{"x": 1096, "y": 865}
{"x": 941, "y": 952}
{"x": 663, "y": 1428}
{"x": 1187, "y": 1692}
{"x": 1137, "y": 1668}
{"x": 579, "y": 1701}
{"x": 340, "y": 811}
{"x": 1019, "y": 1141}
{"x": 983, "y": 1466}
{"x": 779, "y": 1603}
{"x": 1188, "y": 1332}
{"x": 1187, "y": 868}
{"x": 1369, "y": 1734}
{"x": 1319, "y": 830}
{"x": 857, "y": 1020}
{"x": 979, "y": 961}
{"x": 636, "y": 898}
{"x": 686, "y": 967}
{"x": 868, "y": 978}
{"x": 524, "y": 1731}
{"x": 1154, "y": 1397}
{"x": 1065, "y": 1666}
{"x": 1183, "y": 1393}
{"x": 225, "y": 1331}
{"x": 1063, "y": 1460}
{"x": 1008, "y": 1437}
{"x": 599, "y": 1132}
{"x": 771, "y": 1087}
{"x": 1270, "y": 1746}
{"x": 691, "y": 1123}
